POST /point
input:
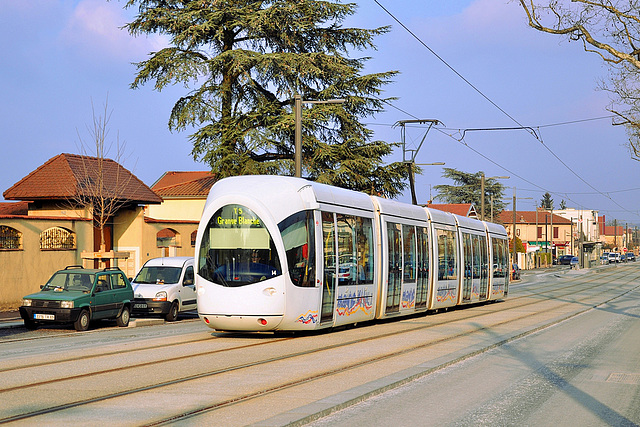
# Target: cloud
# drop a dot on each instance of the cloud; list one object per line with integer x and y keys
{"x": 96, "y": 28}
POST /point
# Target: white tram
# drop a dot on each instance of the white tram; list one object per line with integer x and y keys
{"x": 279, "y": 253}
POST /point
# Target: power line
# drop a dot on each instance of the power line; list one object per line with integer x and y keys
{"x": 533, "y": 134}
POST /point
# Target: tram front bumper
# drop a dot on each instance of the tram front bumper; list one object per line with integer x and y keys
{"x": 251, "y": 323}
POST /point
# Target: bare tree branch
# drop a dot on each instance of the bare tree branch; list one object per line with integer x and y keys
{"x": 611, "y": 29}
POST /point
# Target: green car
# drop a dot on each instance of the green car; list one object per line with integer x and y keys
{"x": 78, "y": 295}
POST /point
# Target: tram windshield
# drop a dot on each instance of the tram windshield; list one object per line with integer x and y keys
{"x": 237, "y": 249}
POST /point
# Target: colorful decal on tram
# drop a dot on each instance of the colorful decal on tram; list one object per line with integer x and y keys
{"x": 409, "y": 298}
{"x": 350, "y": 303}
{"x": 310, "y": 316}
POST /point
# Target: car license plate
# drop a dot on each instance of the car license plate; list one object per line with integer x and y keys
{"x": 39, "y": 316}
{"x": 139, "y": 305}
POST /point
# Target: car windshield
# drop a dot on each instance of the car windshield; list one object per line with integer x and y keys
{"x": 70, "y": 281}
{"x": 158, "y": 275}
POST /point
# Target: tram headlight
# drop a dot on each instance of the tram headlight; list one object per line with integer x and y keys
{"x": 160, "y": 296}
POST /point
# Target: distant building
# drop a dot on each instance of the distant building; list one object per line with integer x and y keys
{"x": 462, "y": 209}
{"x": 540, "y": 231}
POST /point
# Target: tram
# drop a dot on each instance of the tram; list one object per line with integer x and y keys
{"x": 280, "y": 253}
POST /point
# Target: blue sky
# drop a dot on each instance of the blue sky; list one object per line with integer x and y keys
{"x": 60, "y": 55}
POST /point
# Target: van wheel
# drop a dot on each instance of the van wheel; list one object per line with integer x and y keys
{"x": 82, "y": 324}
{"x": 172, "y": 315}
{"x": 123, "y": 319}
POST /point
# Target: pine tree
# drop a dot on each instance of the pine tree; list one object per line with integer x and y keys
{"x": 467, "y": 190}
{"x": 546, "y": 202}
{"x": 242, "y": 62}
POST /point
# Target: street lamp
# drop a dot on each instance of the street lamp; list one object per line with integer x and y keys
{"x": 482, "y": 179}
{"x": 298, "y": 127}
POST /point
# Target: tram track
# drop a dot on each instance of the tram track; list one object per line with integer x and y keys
{"x": 207, "y": 338}
{"x": 311, "y": 377}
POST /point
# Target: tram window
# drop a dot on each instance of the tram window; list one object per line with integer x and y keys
{"x": 447, "y": 262}
{"x": 484, "y": 263}
{"x": 500, "y": 258}
{"x": 237, "y": 249}
{"x": 365, "y": 246}
{"x": 355, "y": 250}
{"x": 477, "y": 256}
{"x": 298, "y": 237}
{"x": 409, "y": 242}
{"x": 467, "y": 255}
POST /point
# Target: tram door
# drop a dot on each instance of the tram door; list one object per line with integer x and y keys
{"x": 422, "y": 286}
{"x": 394, "y": 239}
{"x": 469, "y": 266}
{"x": 330, "y": 268}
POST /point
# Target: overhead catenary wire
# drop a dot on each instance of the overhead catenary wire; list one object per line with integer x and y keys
{"x": 534, "y": 134}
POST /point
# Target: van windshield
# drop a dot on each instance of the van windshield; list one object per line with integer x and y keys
{"x": 158, "y": 275}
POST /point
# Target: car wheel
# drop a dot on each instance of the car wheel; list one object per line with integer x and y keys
{"x": 172, "y": 315}
{"x": 123, "y": 319}
{"x": 82, "y": 323}
{"x": 30, "y": 325}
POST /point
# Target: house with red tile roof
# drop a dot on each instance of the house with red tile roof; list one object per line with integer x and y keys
{"x": 540, "y": 230}
{"x": 50, "y": 226}
{"x": 616, "y": 237}
{"x": 462, "y": 209}
{"x": 175, "y": 220}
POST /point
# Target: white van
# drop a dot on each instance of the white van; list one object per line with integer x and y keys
{"x": 165, "y": 287}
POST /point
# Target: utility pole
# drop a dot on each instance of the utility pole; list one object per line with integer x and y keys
{"x": 514, "y": 260}
{"x": 482, "y": 196}
{"x": 411, "y": 161}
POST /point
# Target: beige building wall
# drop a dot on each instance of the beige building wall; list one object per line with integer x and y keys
{"x": 528, "y": 232}
{"x": 127, "y": 237}
{"x": 23, "y": 271}
{"x": 183, "y": 246}
{"x": 170, "y": 209}
{"x": 140, "y": 238}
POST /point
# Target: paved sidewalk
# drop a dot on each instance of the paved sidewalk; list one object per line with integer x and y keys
{"x": 12, "y": 319}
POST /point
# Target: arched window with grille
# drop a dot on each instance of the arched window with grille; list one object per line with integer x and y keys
{"x": 10, "y": 238}
{"x": 194, "y": 234}
{"x": 57, "y": 238}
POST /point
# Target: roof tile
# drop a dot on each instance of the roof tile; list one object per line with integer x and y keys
{"x": 63, "y": 176}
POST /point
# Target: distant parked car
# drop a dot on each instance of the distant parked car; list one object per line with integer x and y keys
{"x": 574, "y": 262}
{"x": 78, "y": 295}
{"x": 631, "y": 256}
{"x": 604, "y": 259}
{"x": 565, "y": 259}
{"x": 623, "y": 257}
{"x": 612, "y": 258}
